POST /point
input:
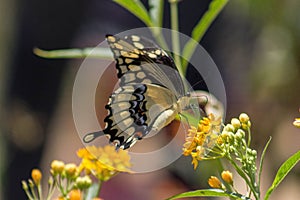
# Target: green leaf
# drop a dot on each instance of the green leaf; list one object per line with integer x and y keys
{"x": 104, "y": 53}
{"x": 262, "y": 161}
{"x": 284, "y": 169}
{"x": 208, "y": 193}
{"x": 215, "y": 7}
{"x": 137, "y": 8}
{"x": 156, "y": 11}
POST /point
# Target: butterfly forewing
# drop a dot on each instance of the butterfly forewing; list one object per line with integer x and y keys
{"x": 139, "y": 60}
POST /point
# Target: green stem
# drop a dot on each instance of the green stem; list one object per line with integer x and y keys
{"x": 51, "y": 187}
{"x": 244, "y": 176}
{"x": 99, "y": 188}
{"x": 30, "y": 197}
{"x": 40, "y": 194}
{"x": 156, "y": 32}
{"x": 249, "y": 136}
{"x": 175, "y": 35}
{"x": 33, "y": 192}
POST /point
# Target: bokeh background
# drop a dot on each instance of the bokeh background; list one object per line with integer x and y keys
{"x": 255, "y": 44}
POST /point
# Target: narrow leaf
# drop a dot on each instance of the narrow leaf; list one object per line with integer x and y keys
{"x": 208, "y": 193}
{"x": 104, "y": 53}
{"x": 284, "y": 169}
{"x": 137, "y": 8}
{"x": 262, "y": 160}
{"x": 215, "y": 7}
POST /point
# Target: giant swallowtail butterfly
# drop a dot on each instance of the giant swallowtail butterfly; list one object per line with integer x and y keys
{"x": 151, "y": 92}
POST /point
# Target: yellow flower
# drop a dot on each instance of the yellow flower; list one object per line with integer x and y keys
{"x": 297, "y": 122}
{"x": 104, "y": 162}
{"x": 36, "y": 176}
{"x": 214, "y": 182}
{"x": 227, "y": 177}
{"x": 200, "y": 140}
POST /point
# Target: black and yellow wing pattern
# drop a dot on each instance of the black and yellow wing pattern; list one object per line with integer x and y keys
{"x": 150, "y": 94}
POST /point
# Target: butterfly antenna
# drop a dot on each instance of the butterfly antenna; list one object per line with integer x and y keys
{"x": 91, "y": 136}
{"x": 197, "y": 83}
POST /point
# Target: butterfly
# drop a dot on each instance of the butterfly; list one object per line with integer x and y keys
{"x": 151, "y": 92}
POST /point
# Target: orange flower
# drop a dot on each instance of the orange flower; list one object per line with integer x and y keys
{"x": 227, "y": 177}
{"x": 75, "y": 195}
{"x": 36, "y": 175}
{"x": 214, "y": 182}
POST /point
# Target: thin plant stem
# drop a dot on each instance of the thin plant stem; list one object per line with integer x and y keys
{"x": 51, "y": 188}
{"x": 40, "y": 194}
{"x": 99, "y": 188}
{"x": 175, "y": 35}
{"x": 29, "y": 195}
{"x": 156, "y": 32}
{"x": 249, "y": 136}
{"x": 244, "y": 176}
{"x": 33, "y": 192}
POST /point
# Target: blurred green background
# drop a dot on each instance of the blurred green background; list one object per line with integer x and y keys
{"x": 255, "y": 44}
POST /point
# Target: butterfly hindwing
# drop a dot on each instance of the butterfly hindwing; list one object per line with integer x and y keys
{"x": 135, "y": 110}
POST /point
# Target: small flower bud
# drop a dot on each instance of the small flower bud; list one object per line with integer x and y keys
{"x": 254, "y": 152}
{"x": 232, "y": 149}
{"x": 220, "y": 140}
{"x": 235, "y": 123}
{"x": 30, "y": 183}
{"x": 57, "y": 166}
{"x": 227, "y": 177}
{"x": 214, "y": 182}
{"x": 249, "y": 151}
{"x": 24, "y": 185}
{"x": 230, "y": 137}
{"x": 240, "y": 134}
{"x": 246, "y": 125}
{"x": 244, "y": 118}
{"x": 71, "y": 170}
{"x": 36, "y": 176}
{"x": 229, "y": 128}
{"x": 83, "y": 182}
